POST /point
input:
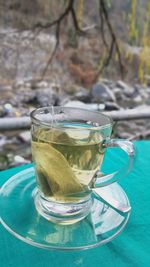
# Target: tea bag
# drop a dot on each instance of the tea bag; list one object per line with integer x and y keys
{"x": 54, "y": 136}
{"x": 56, "y": 170}
{"x": 61, "y": 137}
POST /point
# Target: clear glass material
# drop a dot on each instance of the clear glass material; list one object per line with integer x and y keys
{"x": 102, "y": 224}
{"x": 68, "y": 147}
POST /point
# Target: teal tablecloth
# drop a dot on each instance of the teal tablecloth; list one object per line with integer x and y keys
{"x": 130, "y": 248}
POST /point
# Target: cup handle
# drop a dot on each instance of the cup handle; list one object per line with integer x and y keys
{"x": 103, "y": 180}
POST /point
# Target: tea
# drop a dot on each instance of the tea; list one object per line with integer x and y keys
{"x": 66, "y": 161}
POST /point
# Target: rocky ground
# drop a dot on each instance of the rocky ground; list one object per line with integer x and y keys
{"x": 70, "y": 82}
{"x": 18, "y": 100}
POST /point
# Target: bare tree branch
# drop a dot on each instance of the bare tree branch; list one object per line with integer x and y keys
{"x": 106, "y": 62}
{"x": 75, "y": 21}
{"x": 54, "y": 51}
{"x": 69, "y": 10}
{"x": 101, "y": 15}
{"x": 112, "y": 34}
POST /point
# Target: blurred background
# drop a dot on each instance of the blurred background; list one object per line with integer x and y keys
{"x": 90, "y": 54}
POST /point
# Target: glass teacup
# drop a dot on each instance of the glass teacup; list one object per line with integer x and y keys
{"x": 68, "y": 147}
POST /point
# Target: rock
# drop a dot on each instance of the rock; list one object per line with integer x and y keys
{"x": 5, "y": 87}
{"x": 148, "y": 96}
{"x": 6, "y": 95}
{"x": 71, "y": 89}
{"x": 107, "y": 82}
{"x": 45, "y": 84}
{"x": 121, "y": 84}
{"x": 25, "y": 136}
{"x": 25, "y": 96}
{"x": 138, "y": 100}
{"x": 8, "y": 108}
{"x": 100, "y": 93}
{"x": 27, "y": 85}
{"x": 3, "y": 140}
{"x": 145, "y": 94}
{"x": 124, "y": 135}
{"x": 34, "y": 51}
{"x": 83, "y": 95}
{"x": 75, "y": 104}
{"x": 19, "y": 84}
{"x": 56, "y": 87}
{"x": 2, "y": 112}
{"x": 18, "y": 160}
{"x": 126, "y": 96}
{"x": 46, "y": 97}
{"x": 23, "y": 84}
{"x": 118, "y": 93}
{"x": 129, "y": 91}
{"x": 64, "y": 99}
{"x": 111, "y": 106}
{"x": 4, "y": 162}
{"x": 126, "y": 89}
{"x": 41, "y": 84}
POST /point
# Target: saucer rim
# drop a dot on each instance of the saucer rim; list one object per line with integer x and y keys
{"x": 30, "y": 170}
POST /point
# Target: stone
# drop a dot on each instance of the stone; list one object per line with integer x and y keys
{"x": 18, "y": 160}
{"x": 148, "y": 96}
{"x": 8, "y": 108}
{"x": 75, "y": 104}
{"x": 83, "y": 95}
{"x": 125, "y": 135}
{"x": 121, "y": 84}
{"x": 25, "y": 136}
{"x": 3, "y": 140}
{"x": 129, "y": 91}
{"x": 6, "y": 95}
{"x": 64, "y": 99}
{"x": 118, "y": 93}
{"x": 19, "y": 83}
{"x": 5, "y": 87}
{"x": 56, "y": 87}
{"x": 145, "y": 94}
{"x": 25, "y": 96}
{"x": 34, "y": 51}
{"x": 2, "y": 112}
{"x": 107, "y": 82}
{"x": 121, "y": 98}
{"x": 126, "y": 89}
{"x": 138, "y": 100}
{"x": 41, "y": 84}
{"x": 3, "y": 161}
{"x": 71, "y": 89}
{"x": 100, "y": 93}
{"x": 111, "y": 106}
{"x": 27, "y": 85}
{"x": 46, "y": 97}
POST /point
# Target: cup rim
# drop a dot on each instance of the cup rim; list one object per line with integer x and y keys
{"x": 46, "y": 124}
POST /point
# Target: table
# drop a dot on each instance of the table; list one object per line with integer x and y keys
{"x": 130, "y": 248}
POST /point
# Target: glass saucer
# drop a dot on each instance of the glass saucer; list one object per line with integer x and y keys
{"x": 20, "y": 217}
